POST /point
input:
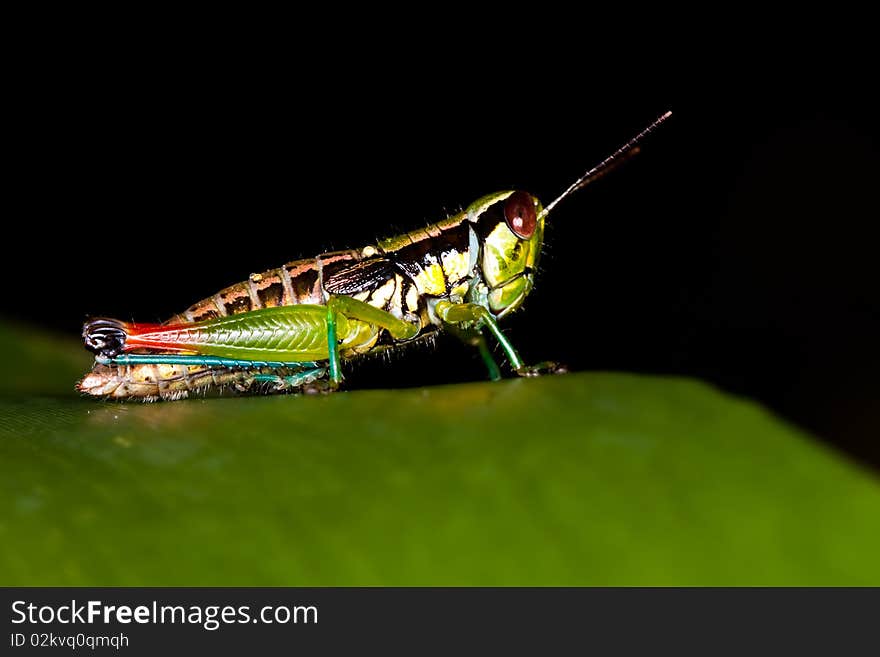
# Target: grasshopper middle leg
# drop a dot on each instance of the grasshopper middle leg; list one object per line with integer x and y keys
{"x": 457, "y": 314}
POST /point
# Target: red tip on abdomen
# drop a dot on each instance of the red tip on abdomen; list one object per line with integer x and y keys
{"x": 173, "y": 338}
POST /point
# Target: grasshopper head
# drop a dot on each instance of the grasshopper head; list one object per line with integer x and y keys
{"x": 510, "y": 228}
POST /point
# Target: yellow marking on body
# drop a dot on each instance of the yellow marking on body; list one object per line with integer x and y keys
{"x": 380, "y": 296}
{"x": 455, "y": 264}
{"x": 431, "y": 280}
{"x": 396, "y": 306}
{"x": 458, "y": 292}
{"x": 361, "y": 296}
{"x": 412, "y": 299}
{"x": 256, "y": 278}
{"x": 368, "y": 251}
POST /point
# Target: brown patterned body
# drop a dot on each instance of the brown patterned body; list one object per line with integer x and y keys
{"x": 294, "y": 283}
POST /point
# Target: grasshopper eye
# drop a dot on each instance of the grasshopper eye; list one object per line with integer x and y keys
{"x": 519, "y": 212}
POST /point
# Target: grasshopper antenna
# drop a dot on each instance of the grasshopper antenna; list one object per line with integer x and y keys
{"x": 610, "y": 163}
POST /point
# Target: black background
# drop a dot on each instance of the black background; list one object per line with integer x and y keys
{"x": 738, "y": 247}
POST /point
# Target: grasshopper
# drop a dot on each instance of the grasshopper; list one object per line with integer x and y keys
{"x": 290, "y": 328}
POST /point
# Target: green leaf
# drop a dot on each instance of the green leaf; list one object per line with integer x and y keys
{"x": 593, "y": 478}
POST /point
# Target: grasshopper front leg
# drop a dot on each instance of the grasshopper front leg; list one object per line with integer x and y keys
{"x": 456, "y": 314}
